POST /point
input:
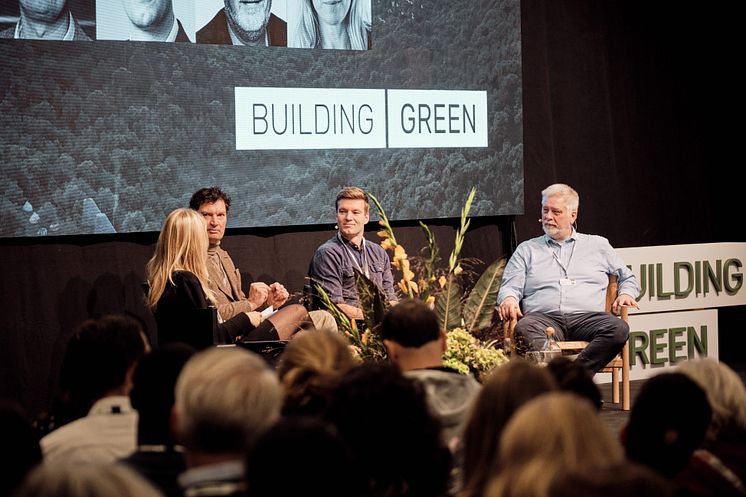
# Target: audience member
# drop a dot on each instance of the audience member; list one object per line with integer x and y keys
{"x": 225, "y": 398}
{"x": 100, "y": 359}
{"x": 342, "y": 25}
{"x": 179, "y": 290}
{"x": 667, "y": 423}
{"x": 21, "y": 451}
{"x": 61, "y": 479}
{"x": 623, "y": 479}
{"x": 309, "y": 369}
{"x": 45, "y": 20}
{"x": 325, "y": 466}
{"x": 225, "y": 279}
{"x": 415, "y": 343}
{"x": 334, "y": 264}
{"x": 245, "y": 23}
{"x": 394, "y": 438}
{"x": 157, "y": 457}
{"x": 718, "y": 467}
{"x": 555, "y": 433}
{"x": 506, "y": 389}
{"x": 560, "y": 280}
{"x": 573, "y": 377}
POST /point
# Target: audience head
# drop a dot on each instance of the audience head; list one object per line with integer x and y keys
{"x": 551, "y": 434}
{"x": 506, "y": 389}
{"x": 571, "y": 376}
{"x": 99, "y": 360}
{"x": 310, "y": 367}
{"x": 225, "y": 397}
{"x": 384, "y": 418}
{"x": 152, "y": 392}
{"x": 621, "y": 479}
{"x": 668, "y": 421}
{"x": 725, "y": 392}
{"x": 412, "y": 335}
{"x": 21, "y": 451}
{"x": 88, "y": 480}
{"x": 325, "y": 463}
{"x": 182, "y": 245}
{"x": 411, "y": 323}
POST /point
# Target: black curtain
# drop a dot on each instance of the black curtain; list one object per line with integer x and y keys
{"x": 630, "y": 102}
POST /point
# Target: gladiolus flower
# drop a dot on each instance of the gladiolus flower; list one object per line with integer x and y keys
{"x": 442, "y": 281}
{"x": 399, "y": 252}
{"x": 383, "y": 234}
{"x": 386, "y": 244}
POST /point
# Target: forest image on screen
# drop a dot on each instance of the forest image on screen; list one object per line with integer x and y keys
{"x": 104, "y": 134}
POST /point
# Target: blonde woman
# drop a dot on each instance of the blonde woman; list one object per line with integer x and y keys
{"x": 552, "y": 434}
{"x": 503, "y": 393}
{"x": 310, "y": 367}
{"x": 336, "y": 24}
{"x": 178, "y": 291}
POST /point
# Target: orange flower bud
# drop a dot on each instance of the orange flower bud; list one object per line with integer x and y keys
{"x": 399, "y": 252}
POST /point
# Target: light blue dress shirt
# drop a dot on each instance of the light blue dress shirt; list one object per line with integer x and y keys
{"x": 567, "y": 277}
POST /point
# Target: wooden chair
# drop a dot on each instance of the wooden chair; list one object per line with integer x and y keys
{"x": 618, "y": 367}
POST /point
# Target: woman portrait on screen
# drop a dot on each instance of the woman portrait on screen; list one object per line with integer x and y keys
{"x": 336, "y": 24}
{"x": 179, "y": 294}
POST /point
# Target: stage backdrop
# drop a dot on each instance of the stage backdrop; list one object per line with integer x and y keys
{"x": 110, "y": 135}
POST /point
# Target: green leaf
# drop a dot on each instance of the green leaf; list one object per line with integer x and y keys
{"x": 346, "y": 325}
{"x": 448, "y": 305}
{"x": 480, "y": 305}
{"x": 372, "y": 301}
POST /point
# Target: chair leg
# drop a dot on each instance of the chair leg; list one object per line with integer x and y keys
{"x": 625, "y": 378}
{"x": 615, "y": 385}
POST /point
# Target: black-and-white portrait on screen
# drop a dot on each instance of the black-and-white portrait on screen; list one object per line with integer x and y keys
{"x": 52, "y": 20}
{"x": 146, "y": 20}
{"x": 236, "y": 22}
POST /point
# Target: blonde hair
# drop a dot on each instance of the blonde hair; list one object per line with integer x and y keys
{"x": 182, "y": 246}
{"x": 554, "y": 433}
{"x": 65, "y": 479}
{"x": 307, "y": 33}
{"x": 224, "y": 399}
{"x": 507, "y": 389}
{"x": 311, "y": 365}
{"x": 725, "y": 391}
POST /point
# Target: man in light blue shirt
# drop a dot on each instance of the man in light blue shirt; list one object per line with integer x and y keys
{"x": 560, "y": 281}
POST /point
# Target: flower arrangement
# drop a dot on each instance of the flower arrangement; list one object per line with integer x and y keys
{"x": 461, "y": 314}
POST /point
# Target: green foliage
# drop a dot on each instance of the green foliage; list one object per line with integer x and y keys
{"x": 460, "y": 313}
{"x": 479, "y": 305}
{"x": 465, "y": 353}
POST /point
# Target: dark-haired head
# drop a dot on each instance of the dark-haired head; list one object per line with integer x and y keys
{"x": 209, "y": 196}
